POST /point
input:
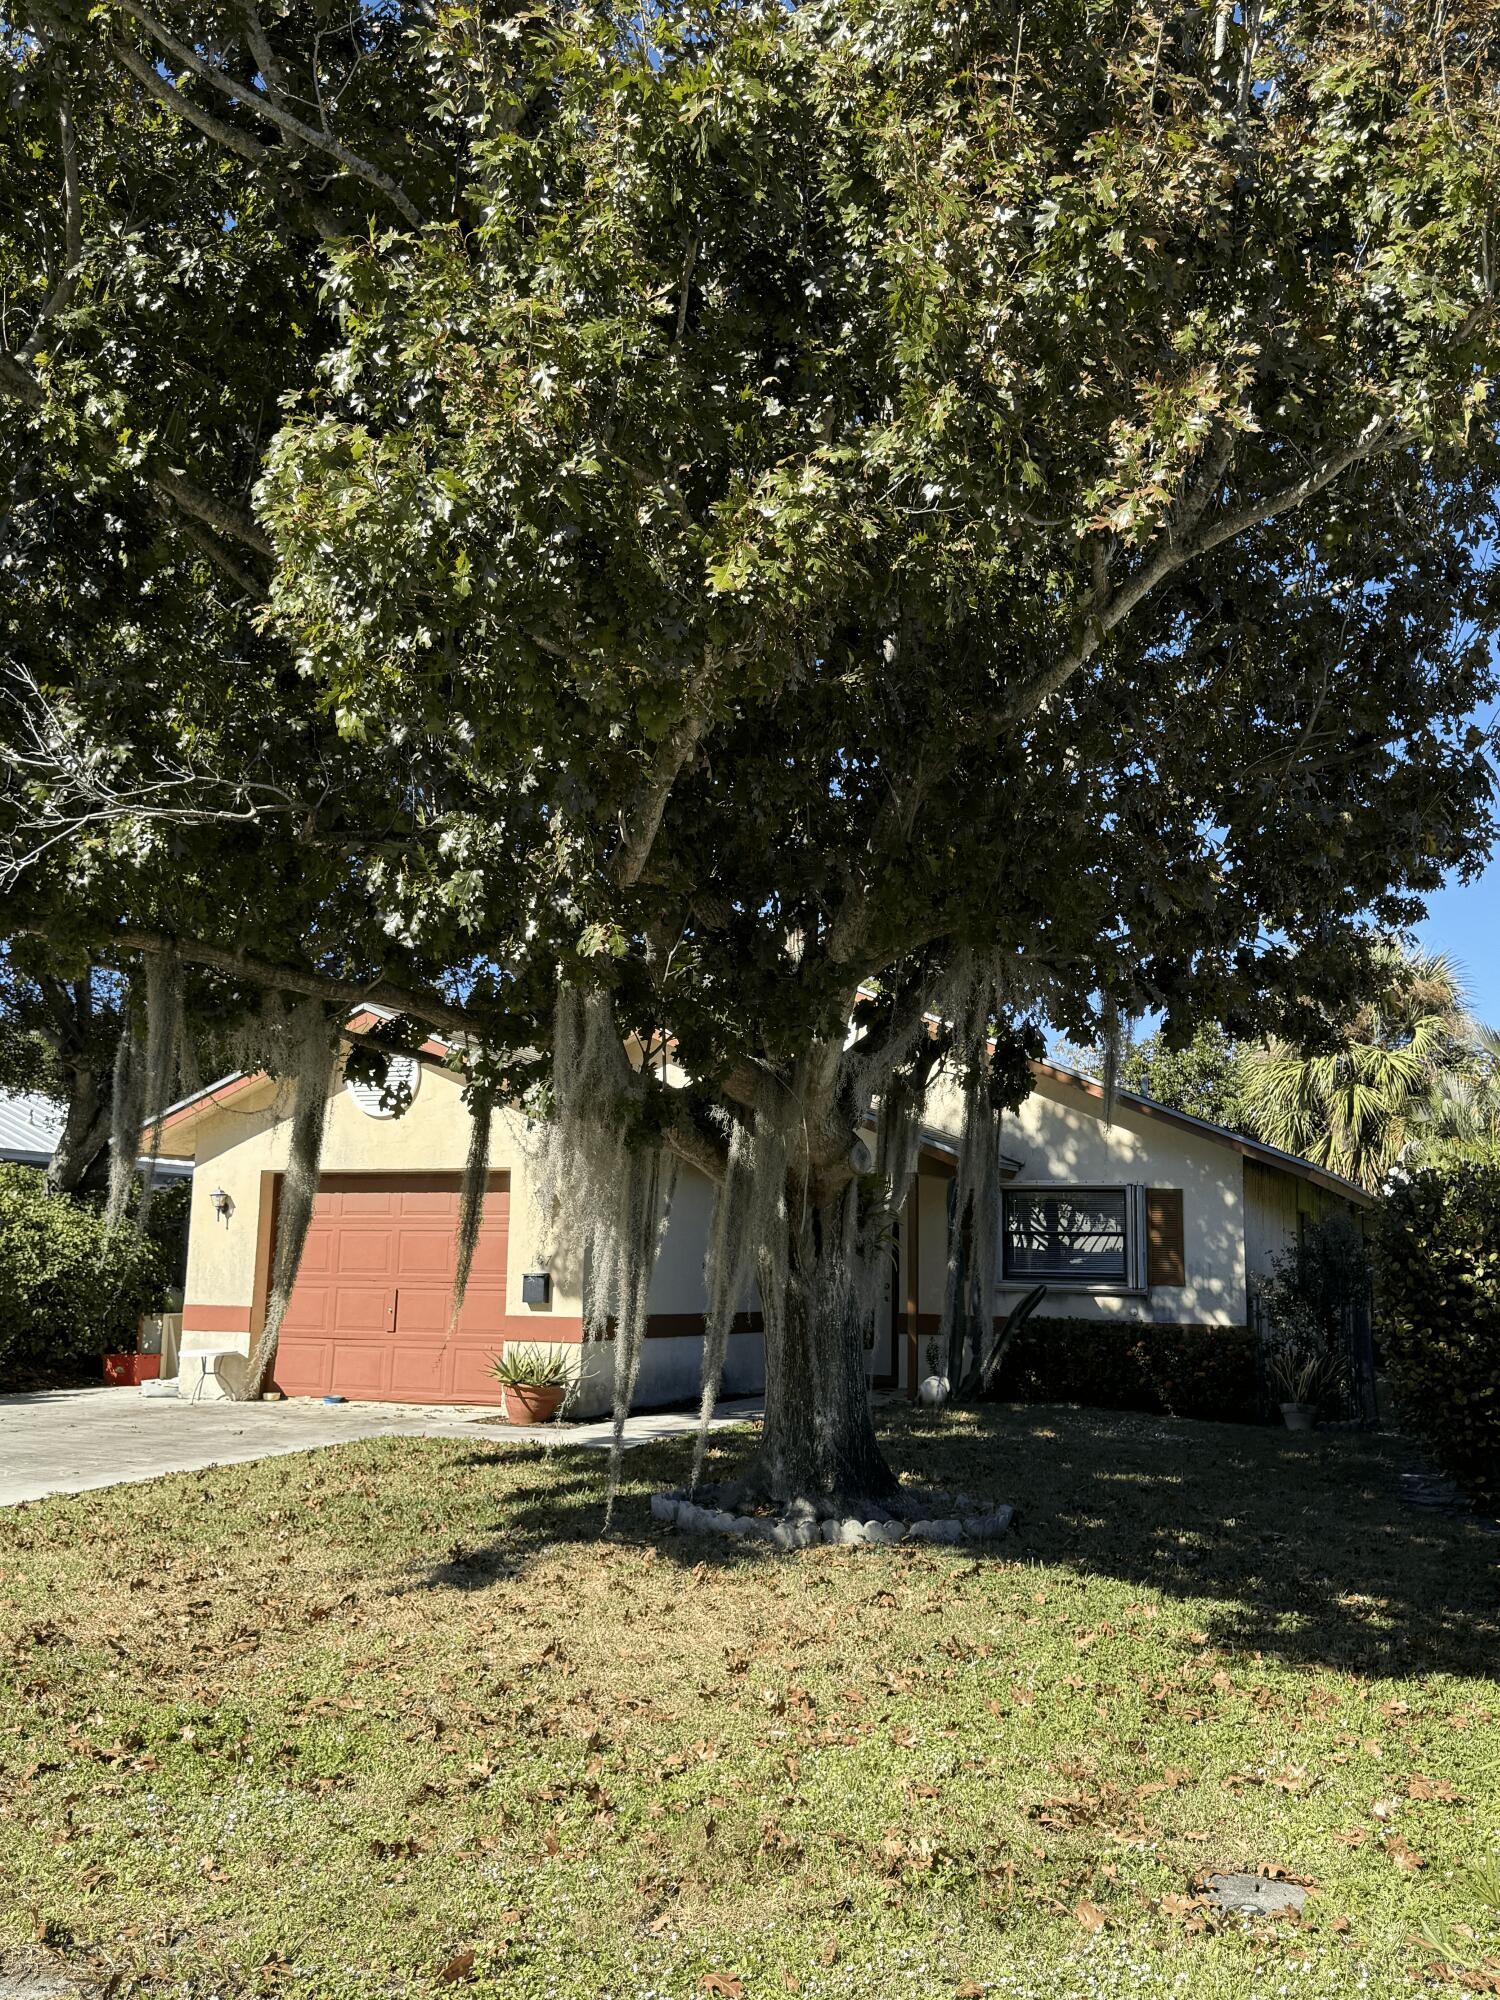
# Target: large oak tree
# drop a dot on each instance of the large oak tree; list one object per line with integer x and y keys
{"x": 753, "y": 518}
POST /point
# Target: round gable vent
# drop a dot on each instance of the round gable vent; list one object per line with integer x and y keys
{"x": 403, "y": 1073}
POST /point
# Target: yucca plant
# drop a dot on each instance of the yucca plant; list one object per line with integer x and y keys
{"x": 1298, "y": 1375}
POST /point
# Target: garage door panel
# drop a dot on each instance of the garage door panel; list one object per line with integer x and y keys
{"x": 309, "y": 1310}
{"x": 378, "y": 1204}
{"x": 422, "y": 1253}
{"x": 419, "y": 1373}
{"x": 472, "y": 1380}
{"x": 481, "y": 1314}
{"x": 427, "y": 1202}
{"x": 422, "y": 1311}
{"x": 491, "y": 1255}
{"x": 304, "y": 1367}
{"x": 361, "y": 1370}
{"x": 365, "y": 1253}
{"x": 317, "y": 1252}
{"x": 369, "y": 1316}
{"x": 362, "y": 1310}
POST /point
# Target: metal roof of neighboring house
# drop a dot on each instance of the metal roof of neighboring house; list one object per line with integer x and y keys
{"x": 31, "y": 1125}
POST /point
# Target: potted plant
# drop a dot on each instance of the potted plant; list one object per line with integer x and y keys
{"x": 1299, "y": 1378}
{"x": 533, "y": 1383}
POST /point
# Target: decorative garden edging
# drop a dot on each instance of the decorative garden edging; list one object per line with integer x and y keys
{"x": 713, "y": 1510}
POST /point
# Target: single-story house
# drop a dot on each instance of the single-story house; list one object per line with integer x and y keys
{"x": 1150, "y": 1219}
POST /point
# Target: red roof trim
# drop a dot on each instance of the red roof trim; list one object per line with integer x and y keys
{"x": 214, "y": 1095}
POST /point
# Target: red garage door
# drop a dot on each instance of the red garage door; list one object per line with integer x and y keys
{"x": 369, "y": 1312}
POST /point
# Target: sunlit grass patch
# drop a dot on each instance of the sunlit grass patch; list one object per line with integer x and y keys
{"x": 344, "y": 1723}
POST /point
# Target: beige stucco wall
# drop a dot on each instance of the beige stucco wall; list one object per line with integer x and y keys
{"x": 1061, "y": 1139}
{"x": 247, "y": 1135}
{"x": 1231, "y": 1209}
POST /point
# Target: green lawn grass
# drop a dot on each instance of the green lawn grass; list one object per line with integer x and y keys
{"x": 397, "y": 1718}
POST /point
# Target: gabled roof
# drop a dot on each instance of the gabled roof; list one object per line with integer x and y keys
{"x": 178, "y": 1119}
{"x": 936, "y": 1149}
{"x": 1250, "y": 1149}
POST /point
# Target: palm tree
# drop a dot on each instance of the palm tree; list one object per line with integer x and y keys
{"x": 1463, "y": 1119}
{"x": 1379, "y": 1096}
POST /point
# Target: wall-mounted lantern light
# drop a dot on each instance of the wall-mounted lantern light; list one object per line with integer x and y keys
{"x": 223, "y": 1204}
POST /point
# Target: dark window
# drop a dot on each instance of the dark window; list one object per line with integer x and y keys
{"x": 1072, "y": 1233}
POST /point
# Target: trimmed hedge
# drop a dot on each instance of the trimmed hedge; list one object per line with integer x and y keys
{"x": 69, "y": 1290}
{"x": 1185, "y": 1371}
{"x": 1438, "y": 1250}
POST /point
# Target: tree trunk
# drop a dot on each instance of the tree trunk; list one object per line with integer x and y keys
{"x": 818, "y": 1439}
{"x": 79, "y": 1160}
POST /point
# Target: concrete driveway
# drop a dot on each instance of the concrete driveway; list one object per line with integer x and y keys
{"x": 70, "y": 1440}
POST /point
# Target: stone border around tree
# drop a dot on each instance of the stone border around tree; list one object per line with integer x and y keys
{"x": 718, "y": 1510}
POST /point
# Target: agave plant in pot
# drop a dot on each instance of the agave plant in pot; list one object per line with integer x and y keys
{"x": 534, "y": 1383}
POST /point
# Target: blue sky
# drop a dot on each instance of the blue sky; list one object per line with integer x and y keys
{"x": 1464, "y": 920}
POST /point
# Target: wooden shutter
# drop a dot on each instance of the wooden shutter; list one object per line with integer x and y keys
{"x": 1165, "y": 1262}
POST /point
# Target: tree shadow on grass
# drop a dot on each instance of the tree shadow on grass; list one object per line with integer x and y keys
{"x": 1297, "y": 1547}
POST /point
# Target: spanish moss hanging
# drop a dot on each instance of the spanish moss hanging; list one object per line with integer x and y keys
{"x": 163, "y": 1039}
{"x": 471, "y": 1193}
{"x": 127, "y": 1105}
{"x": 311, "y": 1037}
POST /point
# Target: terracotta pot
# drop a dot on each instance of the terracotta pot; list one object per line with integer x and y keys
{"x": 1299, "y": 1416}
{"x": 131, "y": 1368}
{"x": 530, "y": 1402}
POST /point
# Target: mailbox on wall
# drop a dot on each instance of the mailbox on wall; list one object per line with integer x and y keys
{"x": 536, "y": 1288}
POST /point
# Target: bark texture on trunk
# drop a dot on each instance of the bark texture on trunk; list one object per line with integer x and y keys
{"x": 79, "y": 1160}
{"x": 818, "y": 1438}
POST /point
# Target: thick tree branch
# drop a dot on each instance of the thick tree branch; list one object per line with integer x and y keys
{"x": 1174, "y": 550}
{"x": 276, "y": 114}
{"x": 692, "y": 1144}
{"x": 67, "y": 280}
{"x": 265, "y": 56}
{"x": 218, "y": 129}
{"x": 419, "y": 1002}
{"x": 170, "y": 486}
{"x": 192, "y": 499}
{"x": 638, "y": 829}
{"x": 246, "y": 580}
{"x": 266, "y": 158}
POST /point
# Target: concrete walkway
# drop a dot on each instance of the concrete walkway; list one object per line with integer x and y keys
{"x": 71, "y": 1440}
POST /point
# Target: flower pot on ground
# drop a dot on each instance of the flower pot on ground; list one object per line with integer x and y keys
{"x": 1301, "y": 1367}
{"x": 525, "y": 1403}
{"x": 122, "y": 1370}
{"x": 533, "y": 1384}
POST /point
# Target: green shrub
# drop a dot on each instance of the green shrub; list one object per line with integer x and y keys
{"x": 69, "y": 1291}
{"x": 1439, "y": 1268}
{"x": 1189, "y": 1371}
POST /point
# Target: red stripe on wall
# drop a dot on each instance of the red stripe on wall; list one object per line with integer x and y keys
{"x": 216, "y": 1319}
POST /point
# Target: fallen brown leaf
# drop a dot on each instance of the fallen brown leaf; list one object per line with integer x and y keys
{"x": 722, "y": 1983}
{"x": 1090, "y": 1915}
{"x": 458, "y": 1968}
{"x": 1437, "y": 1789}
{"x": 1405, "y": 1857}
